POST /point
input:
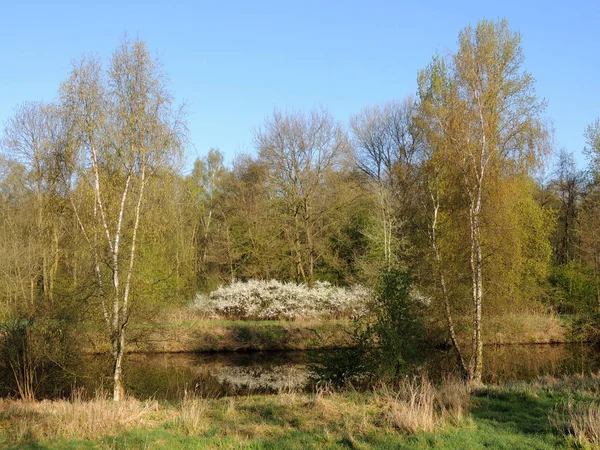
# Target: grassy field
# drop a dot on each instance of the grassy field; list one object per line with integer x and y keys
{"x": 548, "y": 414}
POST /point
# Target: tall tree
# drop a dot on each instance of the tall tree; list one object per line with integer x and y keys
{"x": 301, "y": 150}
{"x": 482, "y": 113}
{"x": 122, "y": 130}
{"x": 204, "y": 186}
{"x": 589, "y": 233}
{"x": 386, "y": 146}
{"x": 568, "y": 186}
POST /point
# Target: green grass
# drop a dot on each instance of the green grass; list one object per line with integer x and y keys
{"x": 507, "y": 417}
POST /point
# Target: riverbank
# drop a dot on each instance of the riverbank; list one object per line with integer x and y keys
{"x": 208, "y": 335}
{"x": 545, "y": 414}
{"x": 176, "y": 334}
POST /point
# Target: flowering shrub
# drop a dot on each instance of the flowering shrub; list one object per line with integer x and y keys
{"x": 263, "y": 300}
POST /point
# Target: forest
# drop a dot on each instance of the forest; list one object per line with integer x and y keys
{"x": 433, "y": 222}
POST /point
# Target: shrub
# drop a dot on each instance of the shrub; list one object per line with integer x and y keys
{"x": 396, "y": 329}
{"x": 387, "y": 335}
{"x": 268, "y": 300}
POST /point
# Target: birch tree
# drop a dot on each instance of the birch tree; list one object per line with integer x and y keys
{"x": 481, "y": 111}
{"x": 122, "y": 128}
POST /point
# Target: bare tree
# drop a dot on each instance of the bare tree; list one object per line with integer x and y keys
{"x": 386, "y": 147}
{"x": 301, "y": 150}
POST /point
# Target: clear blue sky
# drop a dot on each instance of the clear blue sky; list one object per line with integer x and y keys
{"x": 233, "y": 62}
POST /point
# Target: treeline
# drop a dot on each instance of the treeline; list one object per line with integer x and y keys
{"x": 98, "y": 219}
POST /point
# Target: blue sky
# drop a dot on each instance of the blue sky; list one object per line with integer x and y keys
{"x": 233, "y": 62}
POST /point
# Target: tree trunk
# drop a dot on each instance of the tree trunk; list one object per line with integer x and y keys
{"x": 438, "y": 258}
{"x": 476, "y": 270}
{"x": 118, "y": 389}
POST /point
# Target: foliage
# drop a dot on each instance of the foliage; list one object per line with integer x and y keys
{"x": 572, "y": 289}
{"x": 388, "y": 335}
{"x": 265, "y": 300}
{"x": 35, "y": 355}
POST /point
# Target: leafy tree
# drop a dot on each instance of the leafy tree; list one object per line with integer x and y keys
{"x": 121, "y": 130}
{"x": 481, "y": 116}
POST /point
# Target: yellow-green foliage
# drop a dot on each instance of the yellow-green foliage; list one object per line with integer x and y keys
{"x": 517, "y": 244}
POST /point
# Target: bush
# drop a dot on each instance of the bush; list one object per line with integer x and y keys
{"x": 34, "y": 354}
{"x": 389, "y": 334}
{"x": 397, "y": 330}
{"x": 268, "y": 300}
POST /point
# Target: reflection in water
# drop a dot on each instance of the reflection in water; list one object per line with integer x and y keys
{"x": 526, "y": 362}
{"x": 166, "y": 376}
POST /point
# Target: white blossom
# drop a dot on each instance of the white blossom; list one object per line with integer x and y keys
{"x": 264, "y": 300}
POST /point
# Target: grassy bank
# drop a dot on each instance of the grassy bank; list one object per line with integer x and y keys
{"x": 231, "y": 335}
{"x": 548, "y": 414}
{"x": 187, "y": 333}
{"x": 524, "y": 329}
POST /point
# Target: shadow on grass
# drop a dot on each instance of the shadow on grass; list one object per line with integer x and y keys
{"x": 28, "y": 446}
{"x": 516, "y": 412}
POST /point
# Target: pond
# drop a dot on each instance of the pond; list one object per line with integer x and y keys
{"x": 167, "y": 376}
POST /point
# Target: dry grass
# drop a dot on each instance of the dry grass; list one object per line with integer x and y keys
{"x": 192, "y": 414}
{"x": 418, "y": 405}
{"x": 80, "y": 419}
{"x": 415, "y": 405}
{"x": 580, "y": 420}
{"x": 525, "y": 329}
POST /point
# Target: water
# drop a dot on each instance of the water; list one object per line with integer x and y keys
{"x": 167, "y": 376}
{"x": 503, "y": 363}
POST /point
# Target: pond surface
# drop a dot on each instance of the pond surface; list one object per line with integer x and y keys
{"x": 168, "y": 376}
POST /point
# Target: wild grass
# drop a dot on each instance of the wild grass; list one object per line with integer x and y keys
{"x": 192, "y": 414}
{"x": 580, "y": 420}
{"x": 349, "y": 416}
{"x": 77, "y": 418}
{"x": 417, "y": 405}
{"x": 549, "y": 413}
